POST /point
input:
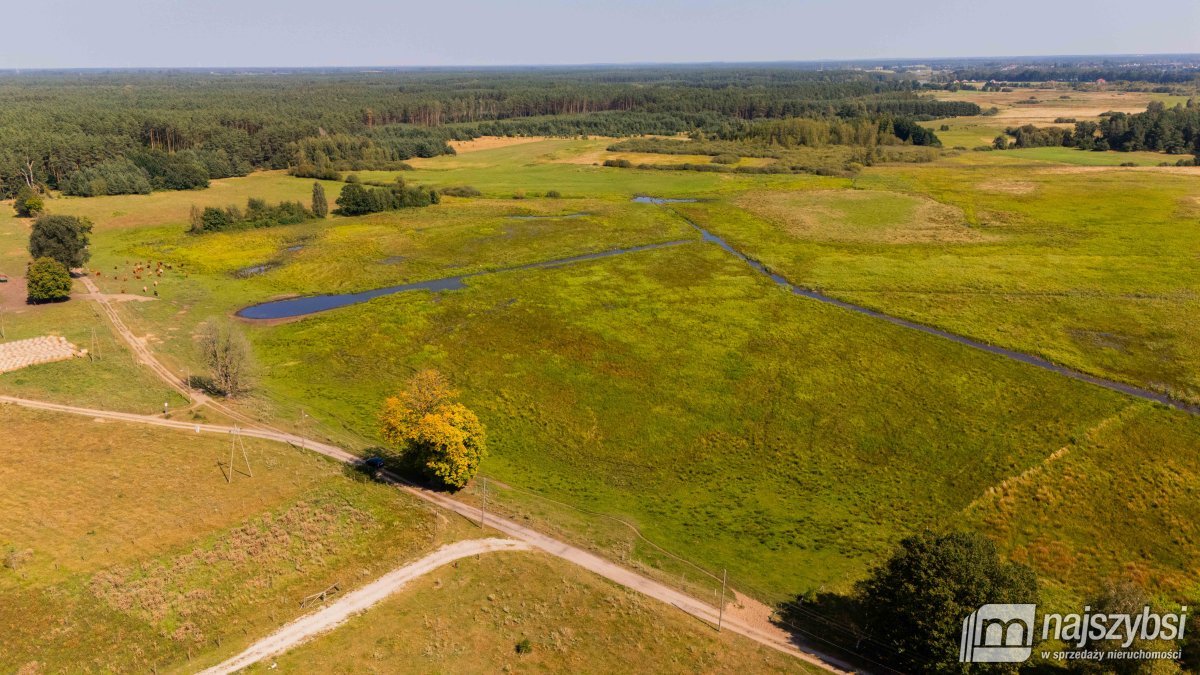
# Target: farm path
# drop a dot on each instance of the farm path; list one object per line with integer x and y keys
{"x": 760, "y": 631}
{"x": 338, "y": 611}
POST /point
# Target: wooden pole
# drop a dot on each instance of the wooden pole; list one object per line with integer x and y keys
{"x": 483, "y": 509}
{"x": 721, "y": 609}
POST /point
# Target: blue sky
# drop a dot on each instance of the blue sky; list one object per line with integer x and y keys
{"x": 196, "y": 33}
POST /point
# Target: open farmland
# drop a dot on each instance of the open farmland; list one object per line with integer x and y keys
{"x": 702, "y": 347}
{"x": 114, "y": 533}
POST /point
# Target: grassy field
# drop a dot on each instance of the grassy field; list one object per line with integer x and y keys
{"x": 114, "y": 381}
{"x": 1116, "y": 502}
{"x": 677, "y": 388}
{"x": 125, "y": 548}
{"x": 1030, "y": 259}
{"x": 743, "y": 427}
{"x": 469, "y": 618}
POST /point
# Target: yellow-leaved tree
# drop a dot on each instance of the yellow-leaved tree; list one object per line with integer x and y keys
{"x": 432, "y": 432}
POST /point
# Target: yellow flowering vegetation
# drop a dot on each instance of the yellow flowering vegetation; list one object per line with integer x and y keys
{"x": 432, "y": 432}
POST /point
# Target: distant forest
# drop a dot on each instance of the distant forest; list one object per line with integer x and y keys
{"x": 132, "y": 132}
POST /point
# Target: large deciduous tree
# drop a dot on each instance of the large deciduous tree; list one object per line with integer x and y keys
{"x": 434, "y": 435}
{"x": 227, "y": 354}
{"x": 64, "y": 238}
{"x": 913, "y": 606}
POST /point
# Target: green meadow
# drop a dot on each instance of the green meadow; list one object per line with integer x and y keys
{"x": 733, "y": 423}
{"x": 1093, "y": 269}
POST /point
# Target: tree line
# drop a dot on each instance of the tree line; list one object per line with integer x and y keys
{"x": 1174, "y": 130}
{"x": 85, "y": 134}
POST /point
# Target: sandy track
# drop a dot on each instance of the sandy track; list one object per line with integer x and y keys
{"x": 337, "y": 612}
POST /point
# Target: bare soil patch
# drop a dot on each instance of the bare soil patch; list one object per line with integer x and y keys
{"x": 13, "y": 294}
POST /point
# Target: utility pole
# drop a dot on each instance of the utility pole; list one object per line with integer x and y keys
{"x": 721, "y": 609}
{"x": 483, "y": 509}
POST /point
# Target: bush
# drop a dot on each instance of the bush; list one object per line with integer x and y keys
{"x": 357, "y": 199}
{"x": 553, "y": 194}
{"x": 28, "y": 203}
{"x": 726, "y": 158}
{"x": 48, "y": 281}
{"x": 619, "y": 163}
{"x": 257, "y": 214}
{"x": 524, "y": 646}
{"x": 460, "y": 191}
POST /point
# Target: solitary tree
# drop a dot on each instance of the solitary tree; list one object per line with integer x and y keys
{"x": 227, "y": 354}
{"x": 28, "y": 203}
{"x": 64, "y": 238}
{"x": 914, "y": 605}
{"x": 435, "y": 435}
{"x": 320, "y": 206}
{"x": 47, "y": 280}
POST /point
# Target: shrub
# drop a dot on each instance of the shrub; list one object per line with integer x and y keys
{"x": 524, "y": 646}
{"x": 258, "y": 213}
{"x": 726, "y": 158}
{"x": 48, "y": 281}
{"x": 357, "y": 199}
{"x": 619, "y": 163}
{"x": 460, "y": 191}
{"x": 519, "y": 194}
{"x": 553, "y": 194}
{"x": 28, "y": 203}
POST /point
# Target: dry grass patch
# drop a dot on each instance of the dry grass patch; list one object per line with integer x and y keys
{"x": 492, "y": 142}
{"x": 469, "y": 618}
{"x": 1008, "y": 187}
{"x": 864, "y": 216}
{"x": 82, "y": 494}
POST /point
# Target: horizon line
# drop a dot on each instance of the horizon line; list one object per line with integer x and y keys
{"x": 603, "y": 64}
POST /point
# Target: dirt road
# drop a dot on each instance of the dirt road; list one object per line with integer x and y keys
{"x": 357, "y": 601}
{"x": 771, "y": 637}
